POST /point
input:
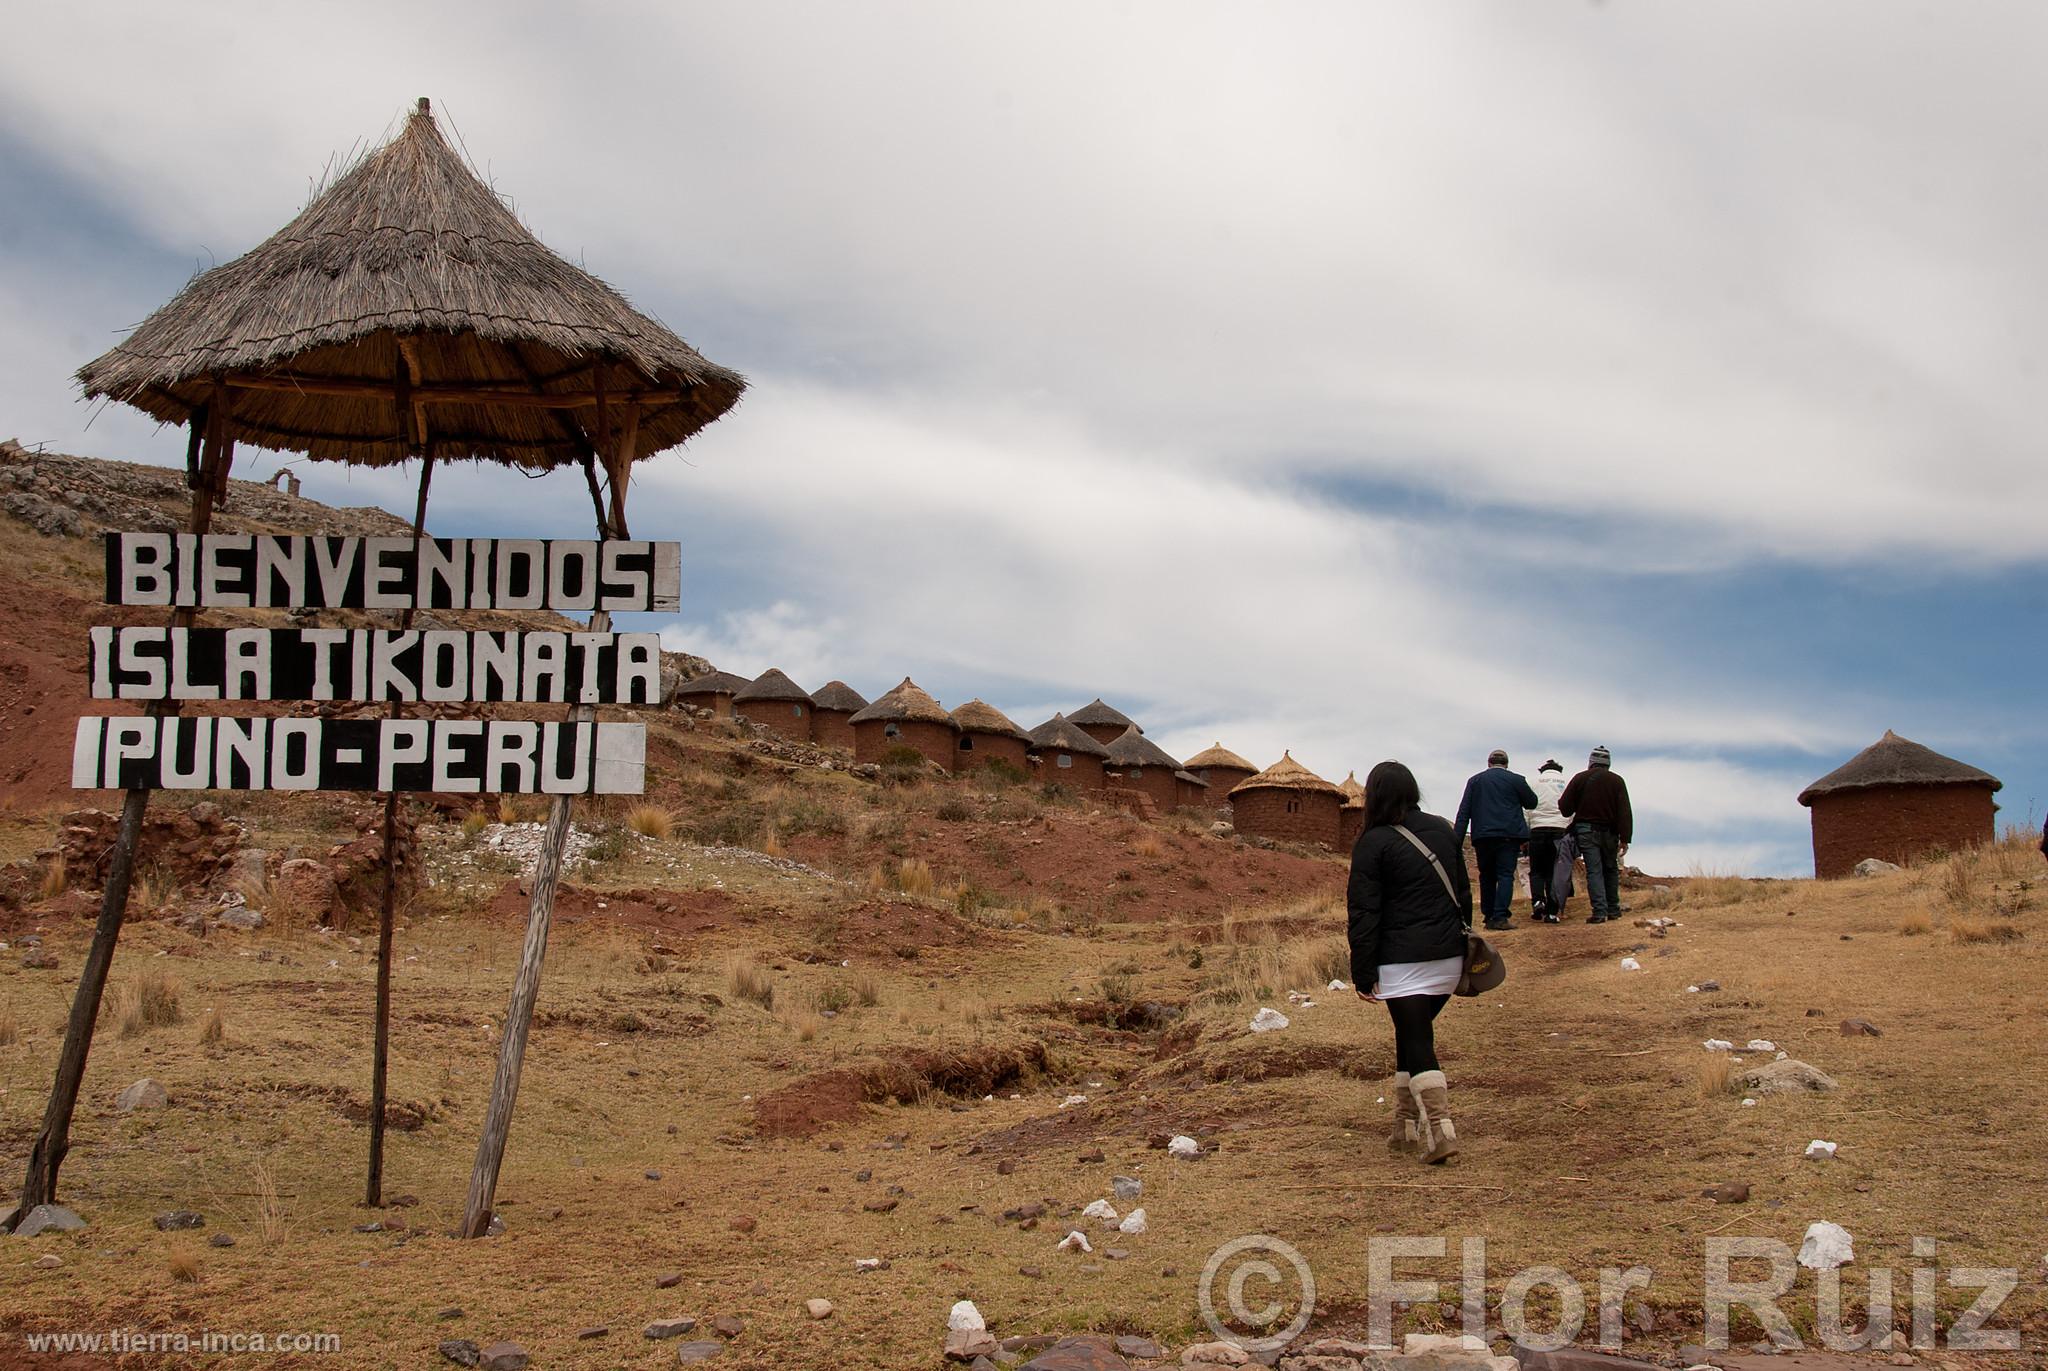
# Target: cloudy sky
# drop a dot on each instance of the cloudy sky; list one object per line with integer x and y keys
{"x": 1363, "y": 380}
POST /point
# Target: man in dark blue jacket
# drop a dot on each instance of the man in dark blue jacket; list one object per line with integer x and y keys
{"x": 1493, "y": 808}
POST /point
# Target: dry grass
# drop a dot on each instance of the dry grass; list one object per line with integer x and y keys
{"x": 1916, "y": 923}
{"x": 771, "y": 845}
{"x": 10, "y": 1027}
{"x": 867, "y": 990}
{"x": 1148, "y": 845}
{"x": 272, "y": 1221}
{"x": 914, "y": 876}
{"x": 183, "y": 1259}
{"x": 474, "y": 823}
{"x": 804, "y": 1023}
{"x": 150, "y": 1000}
{"x": 747, "y": 979}
{"x": 216, "y": 1030}
{"x": 55, "y": 878}
{"x": 651, "y": 821}
{"x": 149, "y": 892}
{"x": 1717, "y": 1075}
{"x": 1965, "y": 929}
{"x": 508, "y": 810}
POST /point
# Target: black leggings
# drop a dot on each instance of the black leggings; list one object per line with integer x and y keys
{"x": 1414, "y": 1019}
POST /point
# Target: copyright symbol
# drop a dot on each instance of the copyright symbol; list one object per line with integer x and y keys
{"x": 1257, "y": 1292}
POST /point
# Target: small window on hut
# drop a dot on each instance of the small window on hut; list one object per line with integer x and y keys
{"x": 891, "y": 731}
{"x": 1066, "y": 759}
{"x": 797, "y": 710}
{"x": 1293, "y": 806}
{"x": 967, "y": 742}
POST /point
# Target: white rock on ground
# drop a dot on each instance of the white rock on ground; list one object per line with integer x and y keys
{"x": 1134, "y": 1222}
{"x": 1076, "y": 1241}
{"x": 1070, "y": 1101}
{"x": 1214, "y": 1354}
{"x": 1443, "y": 1344}
{"x": 1819, "y": 1148}
{"x": 1631, "y": 964}
{"x": 818, "y": 1309}
{"x": 1718, "y": 1045}
{"x": 1874, "y": 866}
{"x": 1826, "y": 1246}
{"x": 1761, "y": 1045}
{"x": 1100, "y": 1209}
{"x": 1268, "y": 1020}
{"x": 1337, "y": 985}
{"x": 964, "y": 1316}
{"x": 1181, "y": 1145}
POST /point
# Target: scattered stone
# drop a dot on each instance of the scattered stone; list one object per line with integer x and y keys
{"x": 179, "y": 1218}
{"x": 1082, "y": 1353}
{"x": 307, "y": 888}
{"x": 1214, "y": 1354}
{"x": 728, "y": 1326}
{"x": 651, "y": 1174}
{"x": 462, "y": 1352}
{"x": 221, "y": 1240}
{"x": 966, "y": 1344}
{"x": 49, "y": 1261}
{"x": 371, "y": 1227}
{"x": 503, "y": 1356}
{"x": 1860, "y": 1028}
{"x": 1034, "y": 1210}
{"x": 668, "y": 1328}
{"x": 1820, "y": 1149}
{"x": 1826, "y": 1246}
{"x": 1134, "y": 1223}
{"x": 1076, "y": 1241}
{"x": 1091, "y": 1158}
{"x": 1032, "y": 1272}
{"x": 593, "y": 1334}
{"x": 690, "y": 1353}
{"x": 1117, "y": 1254}
{"x": 144, "y": 1094}
{"x": 452, "y": 1312}
{"x": 1127, "y": 1187}
{"x": 1100, "y": 1209}
{"x": 818, "y": 1309}
{"x": 1789, "y": 1074}
{"x": 1007, "y": 1166}
{"x": 1574, "y": 1359}
{"x": 48, "y": 1218}
{"x": 36, "y": 959}
{"x": 1443, "y": 1344}
{"x": 1728, "y": 1192}
{"x": 882, "y": 1206}
{"x": 1183, "y": 1147}
{"x": 669, "y": 1281}
{"x": 1268, "y": 1021}
{"x": 1874, "y": 866}
{"x": 242, "y": 917}
{"x": 1144, "y": 1349}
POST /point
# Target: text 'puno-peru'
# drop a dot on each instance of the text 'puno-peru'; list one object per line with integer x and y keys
{"x": 436, "y": 665}
{"x": 273, "y": 571}
{"x": 458, "y": 756}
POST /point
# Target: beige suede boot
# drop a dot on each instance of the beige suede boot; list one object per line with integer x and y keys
{"x": 1440, "y": 1135}
{"x": 1407, "y": 1134}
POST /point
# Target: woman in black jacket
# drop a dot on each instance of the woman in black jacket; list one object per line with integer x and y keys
{"x": 1411, "y": 908}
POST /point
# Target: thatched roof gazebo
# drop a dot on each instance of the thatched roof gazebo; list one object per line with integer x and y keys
{"x": 990, "y": 737}
{"x": 777, "y": 703}
{"x": 1897, "y": 800}
{"x": 905, "y": 717}
{"x": 407, "y": 307}
{"x": 833, "y": 706}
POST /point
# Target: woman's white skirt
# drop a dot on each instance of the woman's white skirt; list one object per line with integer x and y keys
{"x": 1439, "y": 977}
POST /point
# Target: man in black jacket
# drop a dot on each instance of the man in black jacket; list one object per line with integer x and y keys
{"x": 1495, "y": 810}
{"x": 1596, "y": 801}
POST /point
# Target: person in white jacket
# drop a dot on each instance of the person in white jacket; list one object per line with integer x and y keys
{"x": 1547, "y": 827}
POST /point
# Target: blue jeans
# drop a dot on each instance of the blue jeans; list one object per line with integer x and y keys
{"x": 1597, "y": 844}
{"x": 1496, "y": 876}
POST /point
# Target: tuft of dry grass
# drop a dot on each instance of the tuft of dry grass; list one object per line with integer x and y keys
{"x": 272, "y": 1221}
{"x": 149, "y": 1001}
{"x": 914, "y": 876}
{"x": 10, "y": 1027}
{"x": 150, "y": 892}
{"x": 1971, "y": 930}
{"x": 183, "y": 1259}
{"x": 771, "y": 845}
{"x": 508, "y": 812}
{"x": 804, "y": 1023}
{"x": 1148, "y": 845}
{"x": 1916, "y": 923}
{"x": 651, "y": 821}
{"x": 1717, "y": 1075}
{"x": 747, "y": 979}
{"x": 474, "y": 823}
{"x": 55, "y": 878}
{"x": 867, "y": 990}
{"x": 216, "y": 1030}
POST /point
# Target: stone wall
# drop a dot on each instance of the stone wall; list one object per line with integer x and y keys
{"x": 1291, "y": 816}
{"x": 1897, "y": 824}
{"x": 790, "y": 719}
{"x": 831, "y": 728}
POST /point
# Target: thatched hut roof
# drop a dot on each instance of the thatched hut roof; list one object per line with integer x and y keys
{"x": 409, "y": 265}
{"x": 905, "y": 703}
{"x": 1096, "y": 712}
{"x": 1218, "y": 755}
{"x": 1354, "y": 791}
{"x": 713, "y": 683}
{"x": 1893, "y": 760}
{"x": 838, "y": 696}
{"x": 1135, "y": 749}
{"x": 978, "y": 717}
{"x": 771, "y": 687}
{"x": 1287, "y": 774}
{"x": 1058, "y": 734}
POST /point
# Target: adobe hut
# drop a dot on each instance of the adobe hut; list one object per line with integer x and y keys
{"x": 777, "y": 703}
{"x": 713, "y": 691}
{"x": 1897, "y": 800}
{"x": 905, "y": 717}
{"x": 1067, "y": 756}
{"x": 988, "y": 735}
{"x": 1100, "y": 722}
{"x": 1222, "y": 771}
{"x": 1189, "y": 791}
{"x": 1351, "y": 816}
{"x": 1137, "y": 763}
{"x": 833, "y": 706}
{"x": 1289, "y": 803}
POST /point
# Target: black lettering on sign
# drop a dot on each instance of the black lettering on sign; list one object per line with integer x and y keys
{"x": 293, "y": 571}
{"x": 458, "y": 755}
{"x": 439, "y": 665}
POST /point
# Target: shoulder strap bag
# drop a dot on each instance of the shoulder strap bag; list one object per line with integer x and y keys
{"x": 1484, "y": 969}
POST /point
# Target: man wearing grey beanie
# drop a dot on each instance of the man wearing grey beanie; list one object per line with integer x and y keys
{"x": 1596, "y": 801}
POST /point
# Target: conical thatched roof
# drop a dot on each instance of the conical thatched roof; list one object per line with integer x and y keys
{"x": 1218, "y": 755}
{"x": 1287, "y": 774}
{"x": 906, "y": 702}
{"x": 1058, "y": 734}
{"x": 1135, "y": 749}
{"x": 977, "y": 717}
{"x": 1893, "y": 760}
{"x": 713, "y": 683}
{"x": 1354, "y": 791}
{"x": 1096, "y": 712}
{"x": 407, "y": 257}
{"x": 771, "y": 687}
{"x": 839, "y": 696}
